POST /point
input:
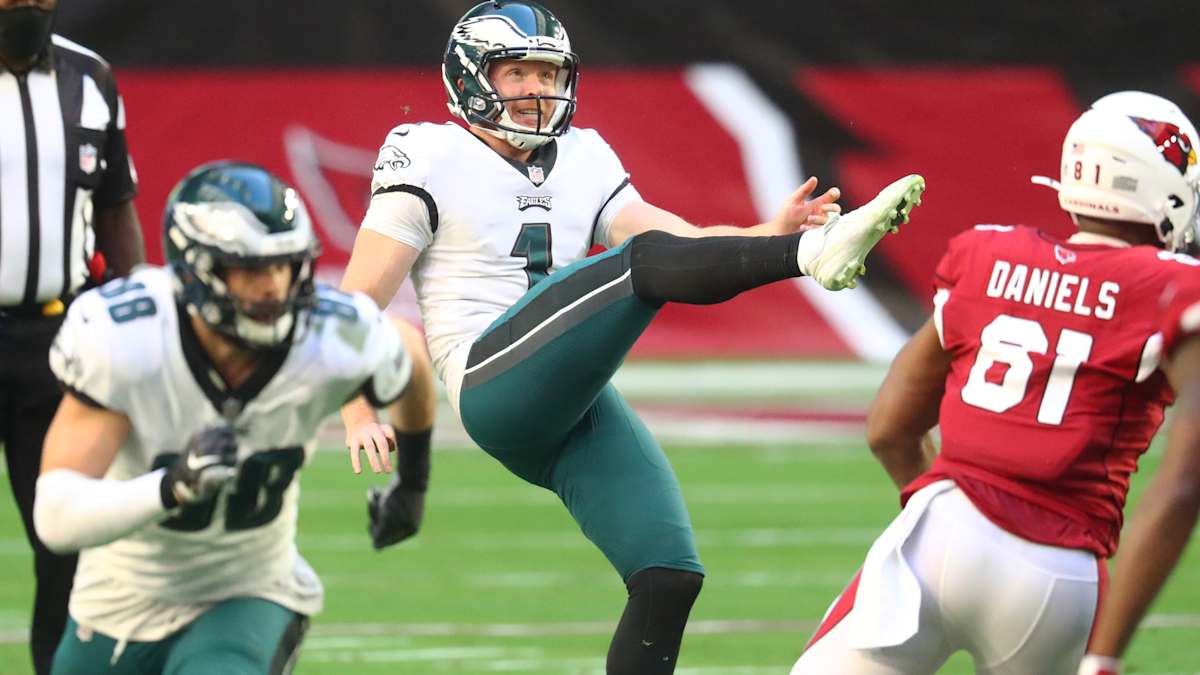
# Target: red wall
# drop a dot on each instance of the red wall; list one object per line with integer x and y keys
{"x": 976, "y": 133}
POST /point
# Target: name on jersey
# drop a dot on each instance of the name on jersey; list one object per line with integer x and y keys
{"x": 1061, "y": 292}
{"x": 529, "y": 202}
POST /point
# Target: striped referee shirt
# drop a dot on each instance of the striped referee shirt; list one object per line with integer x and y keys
{"x": 62, "y": 156}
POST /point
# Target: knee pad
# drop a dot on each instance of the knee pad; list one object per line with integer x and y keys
{"x": 651, "y": 629}
{"x": 675, "y": 588}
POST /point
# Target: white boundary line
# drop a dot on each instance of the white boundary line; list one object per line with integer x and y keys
{"x": 574, "y": 628}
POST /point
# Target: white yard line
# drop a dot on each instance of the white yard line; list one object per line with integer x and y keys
{"x": 520, "y": 495}
{"x": 548, "y": 629}
{"x": 750, "y": 579}
{"x": 757, "y": 380}
{"x": 329, "y": 630}
{"x": 433, "y": 654}
{"x": 483, "y": 541}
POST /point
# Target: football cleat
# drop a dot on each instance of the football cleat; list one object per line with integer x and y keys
{"x": 834, "y": 253}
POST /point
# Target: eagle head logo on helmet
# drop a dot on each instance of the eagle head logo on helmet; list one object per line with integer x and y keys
{"x": 501, "y": 30}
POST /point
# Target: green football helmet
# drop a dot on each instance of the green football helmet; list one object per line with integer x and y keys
{"x": 233, "y": 214}
{"x": 492, "y": 31}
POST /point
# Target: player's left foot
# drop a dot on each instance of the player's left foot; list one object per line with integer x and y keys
{"x": 834, "y": 253}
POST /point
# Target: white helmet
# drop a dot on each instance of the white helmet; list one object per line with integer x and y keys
{"x": 1132, "y": 157}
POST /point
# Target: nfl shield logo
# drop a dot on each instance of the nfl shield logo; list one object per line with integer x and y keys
{"x": 87, "y": 158}
{"x": 536, "y": 175}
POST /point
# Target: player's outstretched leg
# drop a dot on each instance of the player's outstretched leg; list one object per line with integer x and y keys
{"x": 536, "y": 370}
{"x": 834, "y": 254}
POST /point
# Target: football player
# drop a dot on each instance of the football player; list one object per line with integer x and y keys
{"x": 1159, "y": 530}
{"x": 494, "y": 218}
{"x": 194, "y": 394}
{"x": 1042, "y": 366}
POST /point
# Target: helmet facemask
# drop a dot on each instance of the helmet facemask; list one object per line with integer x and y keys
{"x": 206, "y": 239}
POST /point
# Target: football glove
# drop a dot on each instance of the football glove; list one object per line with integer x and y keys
{"x": 395, "y": 512}
{"x": 208, "y": 462}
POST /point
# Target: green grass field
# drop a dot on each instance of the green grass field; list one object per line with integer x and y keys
{"x": 500, "y": 580}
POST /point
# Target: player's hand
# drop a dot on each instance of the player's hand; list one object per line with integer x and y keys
{"x": 1094, "y": 664}
{"x": 208, "y": 462}
{"x": 395, "y": 513}
{"x": 801, "y": 213}
{"x": 376, "y": 439}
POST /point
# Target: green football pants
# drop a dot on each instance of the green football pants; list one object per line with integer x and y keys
{"x": 243, "y": 636}
{"x": 536, "y": 396}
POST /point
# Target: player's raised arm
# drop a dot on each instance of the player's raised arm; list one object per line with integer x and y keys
{"x": 906, "y": 407}
{"x": 798, "y": 212}
{"x": 1160, "y": 529}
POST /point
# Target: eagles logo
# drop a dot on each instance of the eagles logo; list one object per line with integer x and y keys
{"x": 524, "y": 202}
{"x": 1172, "y": 144}
{"x": 391, "y": 157}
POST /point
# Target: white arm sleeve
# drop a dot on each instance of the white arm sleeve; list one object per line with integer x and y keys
{"x": 402, "y": 216}
{"x": 73, "y": 511}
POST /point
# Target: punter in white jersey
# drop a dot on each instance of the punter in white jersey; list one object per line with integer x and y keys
{"x": 194, "y": 394}
{"x": 494, "y": 221}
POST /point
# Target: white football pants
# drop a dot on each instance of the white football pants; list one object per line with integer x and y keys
{"x": 943, "y": 578}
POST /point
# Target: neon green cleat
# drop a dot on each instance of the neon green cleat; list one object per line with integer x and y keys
{"x": 834, "y": 253}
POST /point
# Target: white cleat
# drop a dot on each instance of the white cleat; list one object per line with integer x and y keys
{"x": 834, "y": 253}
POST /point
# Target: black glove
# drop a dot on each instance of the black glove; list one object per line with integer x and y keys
{"x": 396, "y": 510}
{"x": 208, "y": 462}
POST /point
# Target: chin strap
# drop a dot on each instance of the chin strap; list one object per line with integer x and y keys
{"x": 517, "y": 139}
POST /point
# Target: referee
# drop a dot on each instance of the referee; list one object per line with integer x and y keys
{"x": 65, "y": 220}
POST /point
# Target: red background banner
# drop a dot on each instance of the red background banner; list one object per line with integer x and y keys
{"x": 976, "y": 133}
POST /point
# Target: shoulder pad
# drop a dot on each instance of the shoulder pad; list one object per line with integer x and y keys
{"x": 112, "y": 337}
{"x": 345, "y": 324}
{"x": 407, "y": 154}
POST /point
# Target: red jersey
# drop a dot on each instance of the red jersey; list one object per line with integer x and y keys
{"x": 1181, "y": 311}
{"x": 1054, "y": 389}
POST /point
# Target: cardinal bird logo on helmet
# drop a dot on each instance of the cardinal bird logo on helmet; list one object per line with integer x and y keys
{"x": 1172, "y": 144}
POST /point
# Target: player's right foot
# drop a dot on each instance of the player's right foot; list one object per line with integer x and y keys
{"x": 834, "y": 253}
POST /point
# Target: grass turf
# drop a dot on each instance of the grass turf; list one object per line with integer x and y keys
{"x": 500, "y": 580}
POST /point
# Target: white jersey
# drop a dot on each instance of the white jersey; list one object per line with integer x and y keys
{"x": 128, "y": 347}
{"x": 488, "y": 228}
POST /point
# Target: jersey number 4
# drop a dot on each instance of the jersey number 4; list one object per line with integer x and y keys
{"x": 1008, "y": 341}
{"x": 257, "y": 496}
